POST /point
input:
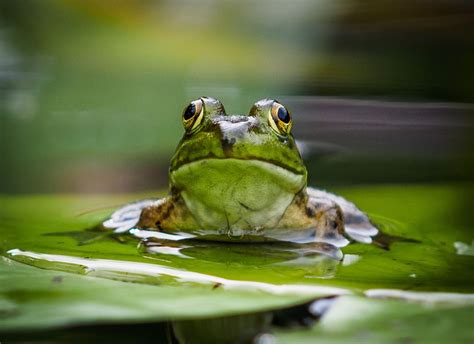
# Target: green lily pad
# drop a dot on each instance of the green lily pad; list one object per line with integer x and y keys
{"x": 50, "y": 232}
{"x": 358, "y": 320}
{"x": 34, "y": 298}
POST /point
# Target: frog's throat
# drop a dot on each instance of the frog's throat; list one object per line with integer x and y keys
{"x": 234, "y": 193}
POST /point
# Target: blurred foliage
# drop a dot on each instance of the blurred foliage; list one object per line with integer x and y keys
{"x": 412, "y": 50}
{"x": 91, "y": 91}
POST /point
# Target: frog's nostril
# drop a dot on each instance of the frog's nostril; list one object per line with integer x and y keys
{"x": 227, "y": 145}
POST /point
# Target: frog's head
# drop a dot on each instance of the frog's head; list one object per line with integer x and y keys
{"x": 263, "y": 135}
{"x": 244, "y": 157}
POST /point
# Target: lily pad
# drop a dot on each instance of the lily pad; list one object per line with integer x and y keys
{"x": 37, "y": 299}
{"x": 199, "y": 279}
{"x": 358, "y": 320}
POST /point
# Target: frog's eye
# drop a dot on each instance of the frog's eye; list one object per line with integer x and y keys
{"x": 193, "y": 114}
{"x": 279, "y": 119}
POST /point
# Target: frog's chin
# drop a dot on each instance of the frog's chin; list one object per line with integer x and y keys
{"x": 234, "y": 193}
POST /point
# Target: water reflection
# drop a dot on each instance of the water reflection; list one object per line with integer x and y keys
{"x": 313, "y": 259}
{"x": 186, "y": 245}
{"x": 321, "y": 259}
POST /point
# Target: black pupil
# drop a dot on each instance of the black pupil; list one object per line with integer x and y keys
{"x": 189, "y": 112}
{"x": 283, "y": 115}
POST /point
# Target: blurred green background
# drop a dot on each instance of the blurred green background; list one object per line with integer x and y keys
{"x": 91, "y": 91}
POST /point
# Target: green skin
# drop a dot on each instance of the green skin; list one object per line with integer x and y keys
{"x": 235, "y": 177}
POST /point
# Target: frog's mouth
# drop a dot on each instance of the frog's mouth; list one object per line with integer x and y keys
{"x": 251, "y": 160}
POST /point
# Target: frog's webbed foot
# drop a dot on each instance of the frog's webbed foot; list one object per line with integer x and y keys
{"x": 356, "y": 224}
{"x": 129, "y": 216}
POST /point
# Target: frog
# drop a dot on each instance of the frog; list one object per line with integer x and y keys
{"x": 242, "y": 178}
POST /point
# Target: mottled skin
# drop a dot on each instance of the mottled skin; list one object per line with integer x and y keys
{"x": 242, "y": 177}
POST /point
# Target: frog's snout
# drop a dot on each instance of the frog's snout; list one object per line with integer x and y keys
{"x": 233, "y": 129}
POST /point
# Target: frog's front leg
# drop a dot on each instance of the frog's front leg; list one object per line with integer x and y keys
{"x": 161, "y": 214}
{"x": 345, "y": 216}
{"x": 328, "y": 219}
{"x": 168, "y": 214}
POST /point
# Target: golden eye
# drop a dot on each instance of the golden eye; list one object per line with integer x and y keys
{"x": 280, "y": 119}
{"x": 192, "y": 115}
